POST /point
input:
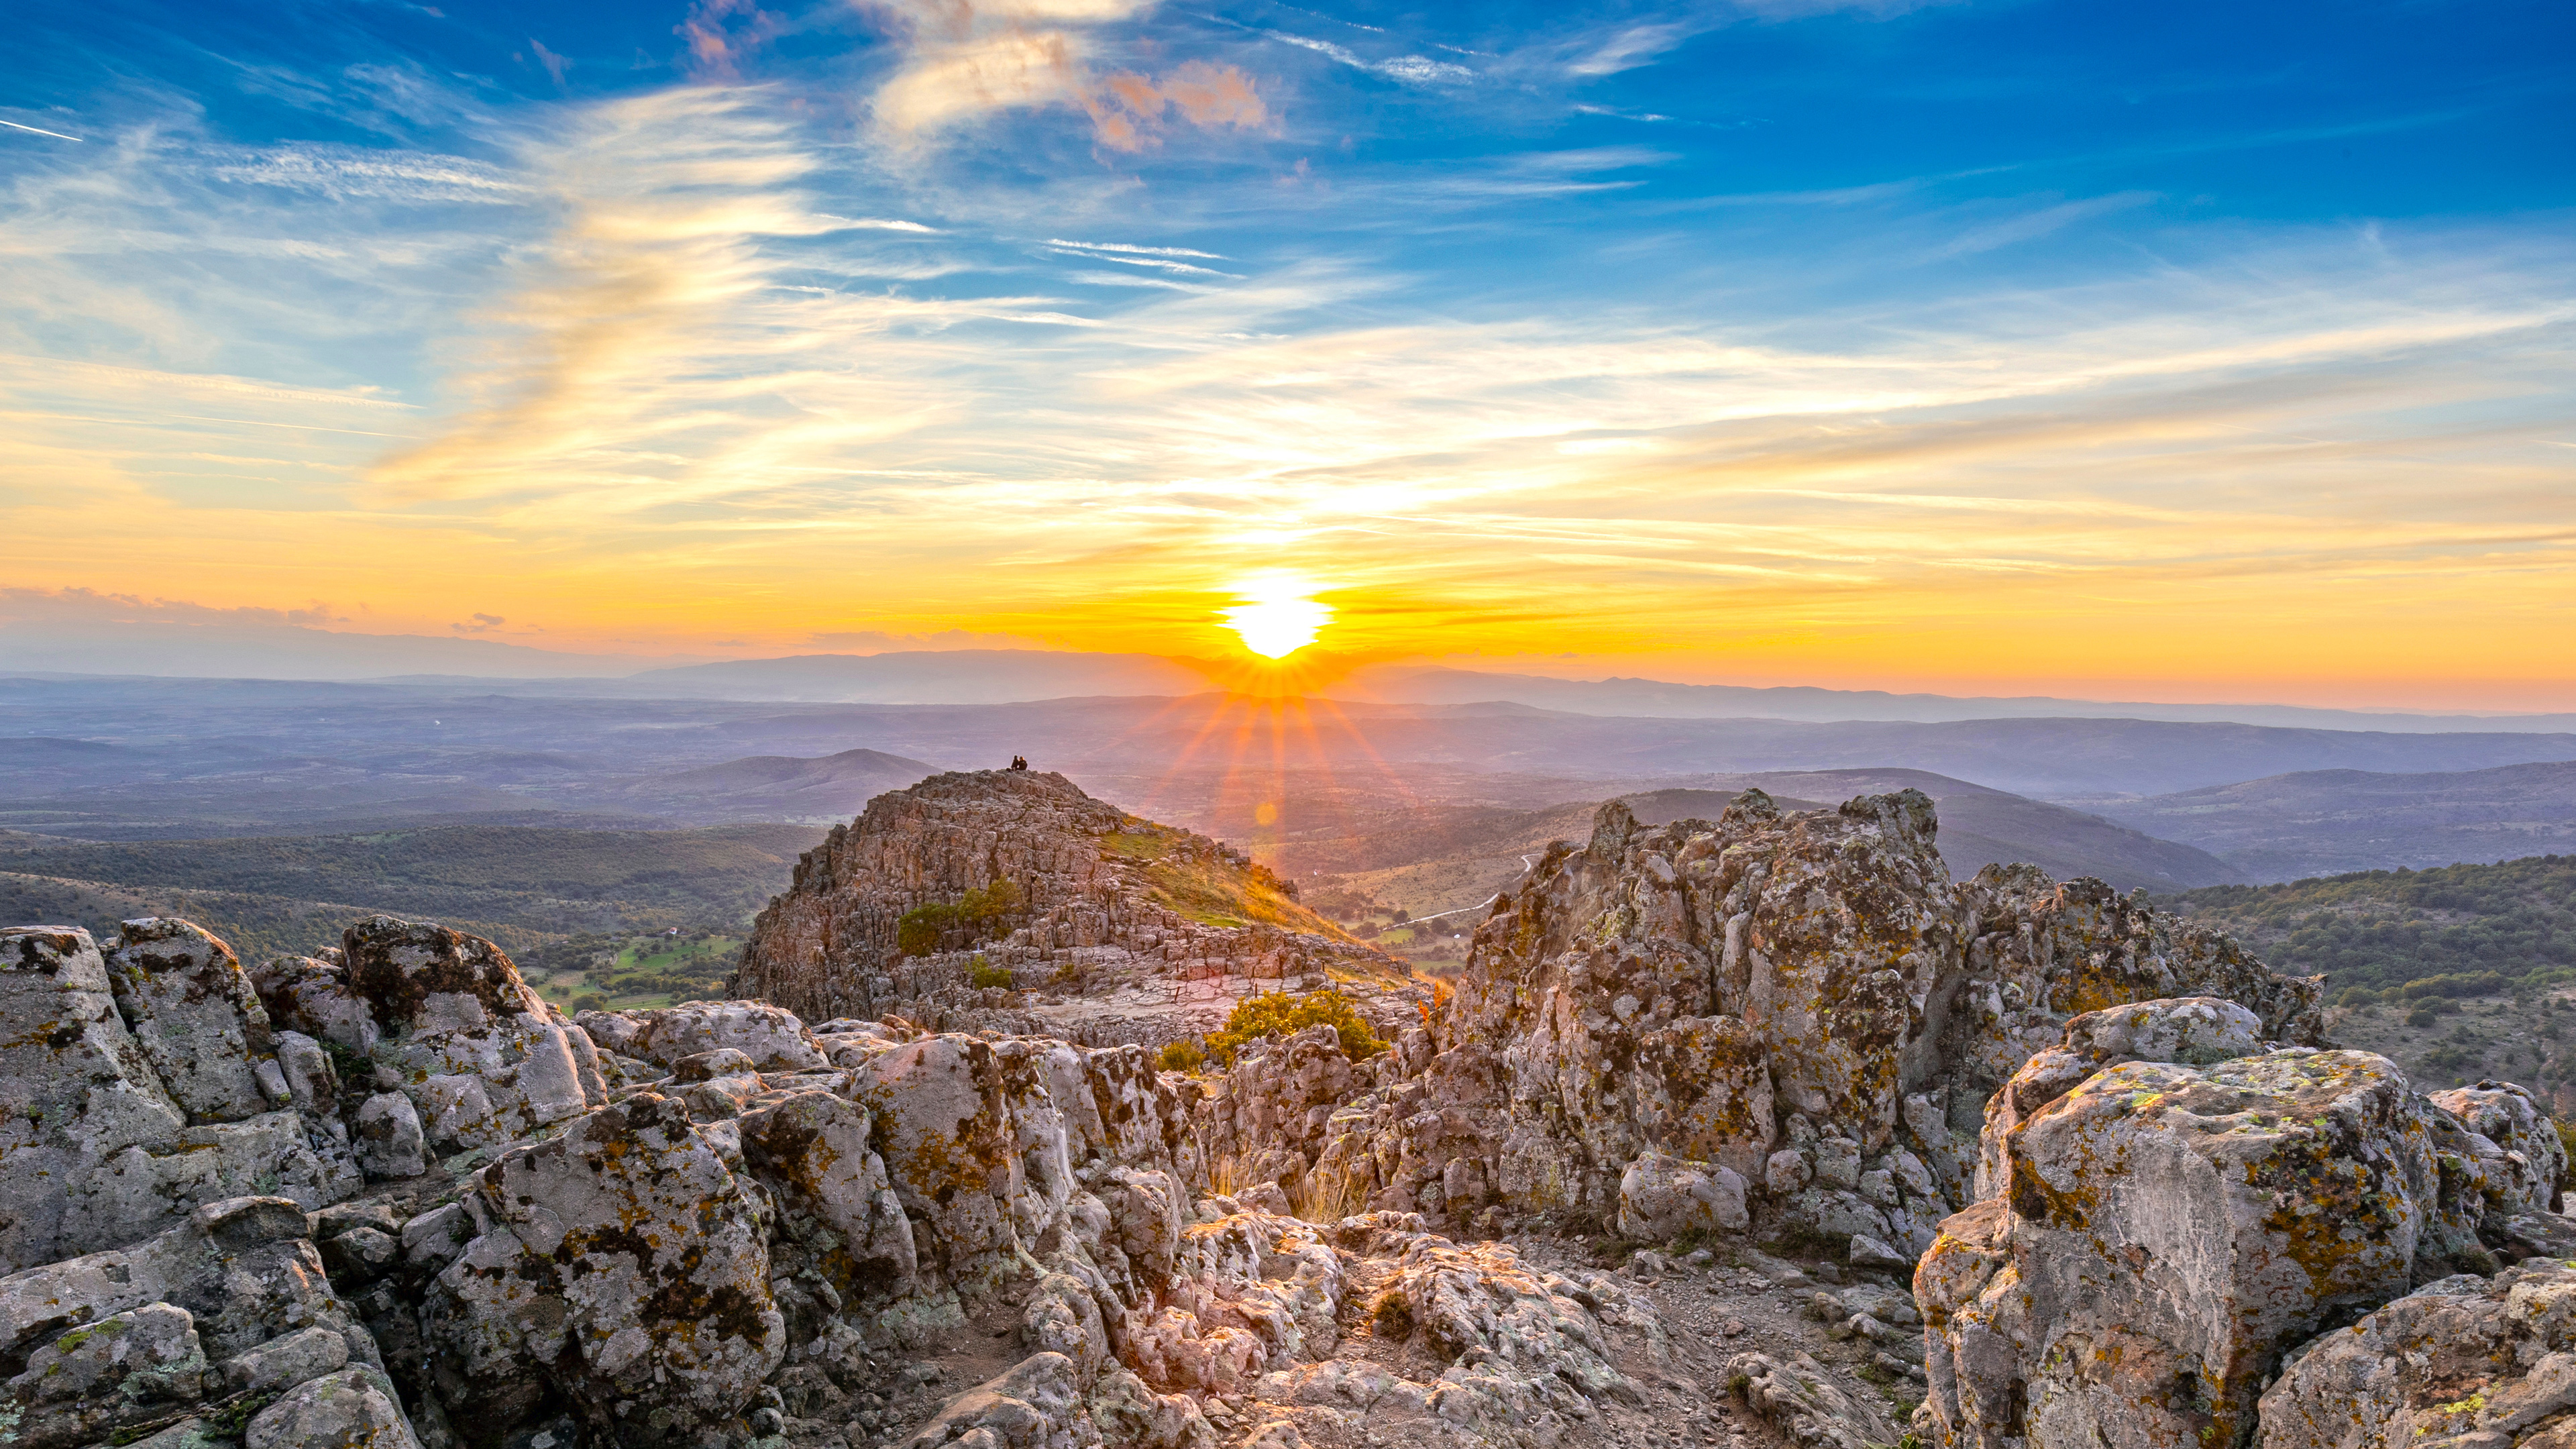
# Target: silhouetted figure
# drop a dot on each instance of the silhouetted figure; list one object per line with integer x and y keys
{"x": 1019, "y": 762}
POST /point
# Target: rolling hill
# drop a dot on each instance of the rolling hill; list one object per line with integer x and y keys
{"x": 521, "y": 886}
{"x": 2318, "y": 822}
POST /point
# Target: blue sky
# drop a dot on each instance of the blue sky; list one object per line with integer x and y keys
{"x": 1940, "y": 345}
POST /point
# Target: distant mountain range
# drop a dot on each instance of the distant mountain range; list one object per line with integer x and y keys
{"x": 779, "y": 787}
{"x": 1650, "y": 698}
{"x": 184, "y": 758}
{"x": 100, "y": 642}
{"x": 2323, "y": 822}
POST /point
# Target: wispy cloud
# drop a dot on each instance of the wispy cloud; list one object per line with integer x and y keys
{"x": 2030, "y": 225}
{"x": 1628, "y": 48}
{"x": 1417, "y": 70}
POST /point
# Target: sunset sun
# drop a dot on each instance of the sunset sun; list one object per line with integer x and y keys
{"x": 1277, "y": 616}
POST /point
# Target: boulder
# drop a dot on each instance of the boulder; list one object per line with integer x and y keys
{"x": 1036, "y": 1404}
{"x": 627, "y": 1265}
{"x": 837, "y": 1204}
{"x": 309, "y": 995}
{"x": 93, "y": 1150}
{"x": 2191, "y": 1029}
{"x": 2512, "y": 1118}
{"x": 974, "y": 1147}
{"x": 772, "y": 1039}
{"x": 2465, "y": 1361}
{"x": 1662, "y": 1197}
{"x": 479, "y": 1054}
{"x": 194, "y": 1017}
{"x": 75, "y": 1090}
{"x": 2168, "y": 1232}
{"x": 388, "y": 1137}
{"x": 1793, "y": 1393}
{"x": 352, "y": 1409}
{"x": 312, "y": 1080}
{"x": 125, "y": 1369}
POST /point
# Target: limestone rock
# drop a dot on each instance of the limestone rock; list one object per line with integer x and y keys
{"x": 625, "y": 1261}
{"x": 1265, "y": 1118}
{"x": 312, "y": 996}
{"x": 312, "y": 1081}
{"x": 481, "y": 1057}
{"x": 2463, "y": 1361}
{"x": 1794, "y": 1394}
{"x": 2168, "y": 1232}
{"x": 2192, "y": 1029}
{"x": 93, "y": 1151}
{"x": 837, "y": 1203}
{"x": 353, "y": 1409}
{"x": 124, "y": 1369}
{"x": 389, "y": 1140}
{"x": 1662, "y": 1197}
{"x": 1531, "y": 1347}
{"x": 1805, "y": 1000}
{"x": 1037, "y": 1404}
{"x": 975, "y": 1147}
{"x": 772, "y": 1039}
{"x": 235, "y": 1282}
{"x": 1128, "y": 1413}
{"x": 2512, "y": 1118}
{"x": 1139, "y": 932}
{"x": 75, "y": 1087}
{"x": 282, "y": 1362}
{"x": 194, "y": 1017}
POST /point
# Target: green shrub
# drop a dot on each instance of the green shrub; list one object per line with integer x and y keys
{"x": 2452, "y": 984}
{"x": 589, "y": 1001}
{"x": 919, "y": 930}
{"x": 983, "y": 975}
{"x": 1185, "y": 1055}
{"x": 1276, "y": 1013}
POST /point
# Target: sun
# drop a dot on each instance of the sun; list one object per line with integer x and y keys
{"x": 1278, "y": 615}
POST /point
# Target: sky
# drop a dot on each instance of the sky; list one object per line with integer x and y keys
{"x": 2190, "y": 351}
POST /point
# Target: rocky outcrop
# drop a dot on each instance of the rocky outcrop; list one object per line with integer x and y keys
{"x": 1805, "y": 1004}
{"x": 225, "y": 1312}
{"x": 2174, "y": 1225}
{"x": 2464, "y": 1361}
{"x": 1118, "y": 930}
{"x": 627, "y": 1264}
{"x": 2167, "y": 1232}
{"x": 95, "y": 1149}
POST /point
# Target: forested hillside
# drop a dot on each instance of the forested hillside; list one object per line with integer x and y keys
{"x": 2459, "y": 930}
{"x": 522, "y": 887}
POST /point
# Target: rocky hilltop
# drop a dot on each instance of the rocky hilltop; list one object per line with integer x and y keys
{"x": 1065, "y": 916}
{"x": 1754, "y": 1131}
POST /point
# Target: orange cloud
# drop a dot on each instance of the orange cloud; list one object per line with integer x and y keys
{"x": 719, "y": 34}
{"x": 1126, "y": 107}
{"x": 970, "y": 59}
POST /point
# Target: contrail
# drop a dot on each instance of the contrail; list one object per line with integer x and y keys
{"x": 39, "y": 130}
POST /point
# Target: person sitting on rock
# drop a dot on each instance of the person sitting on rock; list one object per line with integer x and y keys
{"x": 1019, "y": 762}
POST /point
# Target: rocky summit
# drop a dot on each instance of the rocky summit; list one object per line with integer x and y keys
{"x": 1036, "y": 908}
{"x": 1759, "y": 1130}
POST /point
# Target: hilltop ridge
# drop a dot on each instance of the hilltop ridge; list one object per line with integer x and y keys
{"x": 1124, "y": 929}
